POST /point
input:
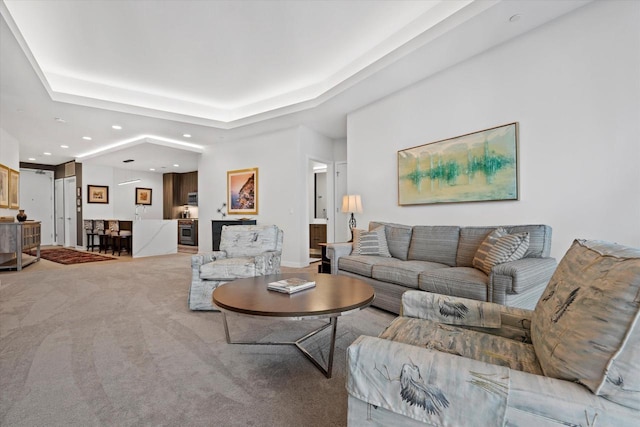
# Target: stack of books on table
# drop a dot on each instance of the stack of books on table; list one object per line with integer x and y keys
{"x": 289, "y": 286}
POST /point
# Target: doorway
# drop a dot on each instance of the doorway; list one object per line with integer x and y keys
{"x": 36, "y": 198}
{"x": 321, "y": 221}
{"x": 65, "y": 212}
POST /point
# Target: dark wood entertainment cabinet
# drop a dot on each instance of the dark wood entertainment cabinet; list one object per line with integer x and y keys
{"x": 216, "y": 229}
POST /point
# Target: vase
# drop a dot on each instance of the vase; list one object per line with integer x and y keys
{"x": 21, "y": 215}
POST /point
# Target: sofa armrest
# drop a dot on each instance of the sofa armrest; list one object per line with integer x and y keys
{"x": 495, "y": 319}
{"x": 268, "y": 262}
{"x": 450, "y": 310}
{"x": 447, "y": 389}
{"x": 206, "y": 257}
{"x": 337, "y": 250}
{"x": 519, "y": 276}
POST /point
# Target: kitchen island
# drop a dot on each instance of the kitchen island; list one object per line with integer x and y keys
{"x": 154, "y": 237}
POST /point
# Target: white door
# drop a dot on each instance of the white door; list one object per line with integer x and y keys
{"x": 70, "y": 216}
{"x": 342, "y": 232}
{"x": 36, "y": 198}
{"x": 59, "y": 211}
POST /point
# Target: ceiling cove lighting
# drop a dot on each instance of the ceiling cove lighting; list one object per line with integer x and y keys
{"x": 141, "y": 138}
{"x": 131, "y": 181}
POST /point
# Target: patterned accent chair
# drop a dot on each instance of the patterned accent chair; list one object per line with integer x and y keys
{"x": 245, "y": 251}
{"x": 572, "y": 361}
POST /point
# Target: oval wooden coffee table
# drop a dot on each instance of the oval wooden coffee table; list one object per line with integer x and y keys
{"x": 332, "y": 297}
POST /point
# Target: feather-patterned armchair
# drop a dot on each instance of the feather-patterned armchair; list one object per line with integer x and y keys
{"x": 245, "y": 251}
{"x": 572, "y": 361}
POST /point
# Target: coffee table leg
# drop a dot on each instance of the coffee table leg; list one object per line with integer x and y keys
{"x": 333, "y": 323}
{"x": 328, "y": 371}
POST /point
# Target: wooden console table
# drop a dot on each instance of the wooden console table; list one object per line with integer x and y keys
{"x": 16, "y": 237}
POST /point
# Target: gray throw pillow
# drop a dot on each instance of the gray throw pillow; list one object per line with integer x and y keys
{"x": 372, "y": 242}
{"x": 500, "y": 247}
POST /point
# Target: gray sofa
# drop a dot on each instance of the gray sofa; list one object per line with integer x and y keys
{"x": 439, "y": 259}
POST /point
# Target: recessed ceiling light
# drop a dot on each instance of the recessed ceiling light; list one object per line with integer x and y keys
{"x": 176, "y": 165}
{"x": 59, "y": 120}
{"x": 117, "y": 127}
{"x": 46, "y": 153}
{"x": 64, "y": 146}
{"x": 186, "y": 135}
{"x": 152, "y": 169}
{"x": 88, "y": 138}
{"x": 32, "y": 158}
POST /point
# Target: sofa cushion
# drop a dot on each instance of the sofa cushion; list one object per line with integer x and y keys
{"x": 463, "y": 342}
{"x": 228, "y": 268}
{"x": 359, "y": 264}
{"x": 434, "y": 243}
{"x": 372, "y": 242}
{"x": 465, "y": 282}
{"x": 470, "y": 240}
{"x": 500, "y": 247}
{"x": 398, "y": 238}
{"x": 248, "y": 240}
{"x": 586, "y": 325}
{"x": 402, "y": 272}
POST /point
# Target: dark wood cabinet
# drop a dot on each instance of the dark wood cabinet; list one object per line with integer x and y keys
{"x": 176, "y": 186}
{"x": 188, "y": 184}
{"x": 216, "y": 229}
{"x": 317, "y": 235}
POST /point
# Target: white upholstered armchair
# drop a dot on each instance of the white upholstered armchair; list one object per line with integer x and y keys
{"x": 573, "y": 361}
{"x": 245, "y": 251}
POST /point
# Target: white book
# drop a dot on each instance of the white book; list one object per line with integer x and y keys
{"x": 289, "y": 286}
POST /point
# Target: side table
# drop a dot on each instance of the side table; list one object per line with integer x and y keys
{"x": 325, "y": 264}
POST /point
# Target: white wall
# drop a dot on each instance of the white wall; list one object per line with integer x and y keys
{"x": 282, "y": 159}
{"x": 121, "y": 197}
{"x": 574, "y": 87}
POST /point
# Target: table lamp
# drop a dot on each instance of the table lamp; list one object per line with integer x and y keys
{"x": 352, "y": 203}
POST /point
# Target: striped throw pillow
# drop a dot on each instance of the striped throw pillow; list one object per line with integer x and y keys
{"x": 372, "y": 242}
{"x": 499, "y": 247}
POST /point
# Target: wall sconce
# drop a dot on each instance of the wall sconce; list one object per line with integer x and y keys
{"x": 352, "y": 203}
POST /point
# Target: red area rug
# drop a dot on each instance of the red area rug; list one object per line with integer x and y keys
{"x": 68, "y": 256}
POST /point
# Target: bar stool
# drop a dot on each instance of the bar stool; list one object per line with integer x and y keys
{"x": 91, "y": 233}
{"x": 125, "y": 241}
{"x": 106, "y": 236}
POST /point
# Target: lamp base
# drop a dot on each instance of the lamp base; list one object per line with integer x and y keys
{"x": 352, "y": 225}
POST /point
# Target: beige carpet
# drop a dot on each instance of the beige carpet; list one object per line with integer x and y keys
{"x": 114, "y": 344}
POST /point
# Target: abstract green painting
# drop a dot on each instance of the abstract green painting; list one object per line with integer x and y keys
{"x": 479, "y": 166}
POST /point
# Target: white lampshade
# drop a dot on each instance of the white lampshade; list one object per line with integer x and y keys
{"x": 352, "y": 203}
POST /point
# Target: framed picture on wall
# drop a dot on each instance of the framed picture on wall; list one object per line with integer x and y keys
{"x": 242, "y": 192}
{"x": 143, "y": 196}
{"x": 479, "y": 166}
{"x": 97, "y": 194}
{"x": 4, "y": 186}
{"x": 14, "y": 189}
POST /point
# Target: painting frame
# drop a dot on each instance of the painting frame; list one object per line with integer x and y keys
{"x": 143, "y": 196}
{"x": 98, "y": 194}
{"x": 4, "y": 186}
{"x": 14, "y": 189}
{"x": 237, "y": 180}
{"x": 481, "y": 166}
